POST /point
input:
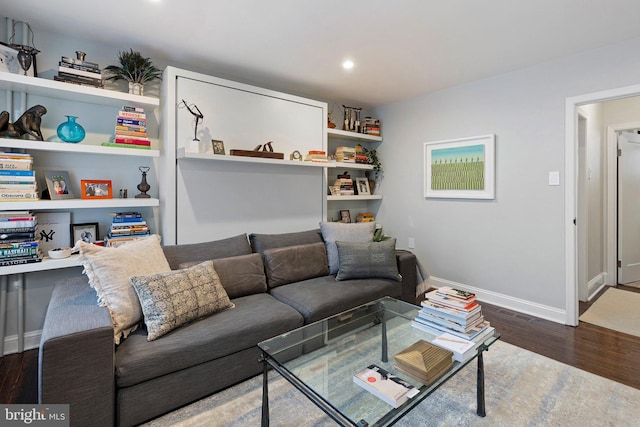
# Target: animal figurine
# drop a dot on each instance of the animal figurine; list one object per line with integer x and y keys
{"x": 28, "y": 123}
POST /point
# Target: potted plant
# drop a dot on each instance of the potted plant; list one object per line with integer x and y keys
{"x": 135, "y": 69}
{"x": 373, "y": 159}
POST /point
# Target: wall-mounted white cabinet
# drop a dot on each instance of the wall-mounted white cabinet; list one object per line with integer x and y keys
{"x": 219, "y": 195}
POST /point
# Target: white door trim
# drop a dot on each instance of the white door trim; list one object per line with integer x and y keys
{"x": 570, "y": 201}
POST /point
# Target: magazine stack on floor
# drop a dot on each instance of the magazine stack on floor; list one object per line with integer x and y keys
{"x": 456, "y": 319}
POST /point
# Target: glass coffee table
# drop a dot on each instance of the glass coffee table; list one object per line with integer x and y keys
{"x": 321, "y": 358}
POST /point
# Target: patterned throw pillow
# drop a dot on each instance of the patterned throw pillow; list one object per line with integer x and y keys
{"x": 109, "y": 269}
{"x": 338, "y": 231}
{"x": 170, "y": 300}
{"x": 365, "y": 260}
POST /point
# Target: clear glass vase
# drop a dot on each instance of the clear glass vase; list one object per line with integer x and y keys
{"x": 70, "y": 131}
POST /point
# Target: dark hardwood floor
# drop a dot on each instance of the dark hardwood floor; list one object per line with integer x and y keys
{"x": 594, "y": 349}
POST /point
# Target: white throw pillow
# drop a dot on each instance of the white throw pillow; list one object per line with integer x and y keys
{"x": 109, "y": 270}
{"x": 333, "y": 232}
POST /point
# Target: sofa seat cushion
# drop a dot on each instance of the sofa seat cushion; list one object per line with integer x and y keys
{"x": 254, "y": 319}
{"x": 322, "y": 297}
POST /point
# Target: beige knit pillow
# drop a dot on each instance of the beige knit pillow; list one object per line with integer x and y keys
{"x": 109, "y": 270}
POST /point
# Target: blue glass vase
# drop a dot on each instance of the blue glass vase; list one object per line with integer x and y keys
{"x": 70, "y": 131}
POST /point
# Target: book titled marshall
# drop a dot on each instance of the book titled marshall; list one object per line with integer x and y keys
{"x": 385, "y": 385}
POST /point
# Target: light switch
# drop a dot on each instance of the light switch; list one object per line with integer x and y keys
{"x": 554, "y": 178}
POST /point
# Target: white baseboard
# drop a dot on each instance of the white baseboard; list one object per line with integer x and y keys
{"x": 516, "y": 304}
{"x": 595, "y": 285}
{"x": 31, "y": 341}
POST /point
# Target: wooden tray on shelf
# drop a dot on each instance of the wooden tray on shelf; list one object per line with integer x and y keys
{"x": 256, "y": 153}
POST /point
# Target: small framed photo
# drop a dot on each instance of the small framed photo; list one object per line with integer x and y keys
{"x": 87, "y": 232}
{"x": 218, "y": 146}
{"x": 345, "y": 216}
{"x": 362, "y": 184}
{"x": 58, "y": 184}
{"x": 95, "y": 189}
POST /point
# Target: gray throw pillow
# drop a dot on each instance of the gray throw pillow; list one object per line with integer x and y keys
{"x": 338, "y": 231}
{"x": 295, "y": 263}
{"x": 170, "y": 300}
{"x": 368, "y": 260}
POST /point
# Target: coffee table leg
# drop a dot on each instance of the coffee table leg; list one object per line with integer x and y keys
{"x": 265, "y": 393}
{"x": 480, "y": 384}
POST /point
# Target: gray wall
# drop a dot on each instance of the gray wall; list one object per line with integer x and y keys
{"x": 512, "y": 248}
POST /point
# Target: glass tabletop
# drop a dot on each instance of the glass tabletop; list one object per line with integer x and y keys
{"x": 321, "y": 359}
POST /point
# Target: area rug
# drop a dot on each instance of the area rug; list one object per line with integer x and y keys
{"x": 615, "y": 309}
{"x": 522, "y": 389}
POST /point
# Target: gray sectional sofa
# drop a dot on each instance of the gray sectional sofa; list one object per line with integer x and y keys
{"x": 137, "y": 380}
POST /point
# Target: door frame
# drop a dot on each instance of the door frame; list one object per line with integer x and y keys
{"x": 571, "y": 211}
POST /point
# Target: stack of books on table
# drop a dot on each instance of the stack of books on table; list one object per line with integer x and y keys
{"x": 456, "y": 319}
{"x": 17, "y": 179}
{"x": 79, "y": 72}
{"x": 424, "y": 361}
{"x": 366, "y": 217}
{"x": 384, "y": 385}
{"x": 346, "y": 154}
{"x": 17, "y": 238}
{"x": 131, "y": 129}
{"x": 125, "y": 227}
{"x": 316, "y": 156}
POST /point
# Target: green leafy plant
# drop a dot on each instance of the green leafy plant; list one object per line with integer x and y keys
{"x": 133, "y": 68}
{"x": 373, "y": 159}
{"x": 378, "y": 235}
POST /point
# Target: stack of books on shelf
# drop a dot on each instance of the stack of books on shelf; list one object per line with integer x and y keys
{"x": 17, "y": 179}
{"x": 131, "y": 129}
{"x": 371, "y": 126}
{"x": 384, "y": 385}
{"x": 366, "y": 217}
{"x": 316, "y": 156}
{"x": 456, "y": 319}
{"x": 344, "y": 187}
{"x": 346, "y": 154}
{"x": 79, "y": 72}
{"x": 17, "y": 238}
{"x": 424, "y": 361}
{"x": 125, "y": 227}
{"x": 361, "y": 155}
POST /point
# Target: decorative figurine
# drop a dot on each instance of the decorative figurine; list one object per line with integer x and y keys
{"x": 28, "y": 123}
{"x": 199, "y": 116}
{"x": 143, "y": 186}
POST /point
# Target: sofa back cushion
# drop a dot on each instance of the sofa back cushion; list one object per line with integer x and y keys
{"x": 232, "y": 246}
{"x": 240, "y": 275}
{"x": 295, "y": 263}
{"x": 262, "y": 242}
{"x": 337, "y": 231}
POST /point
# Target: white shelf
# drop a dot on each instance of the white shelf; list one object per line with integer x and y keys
{"x": 72, "y": 92}
{"x": 75, "y": 148}
{"x": 336, "y": 133}
{"x": 183, "y": 154}
{"x": 345, "y": 198}
{"x": 79, "y": 204}
{"x": 46, "y": 264}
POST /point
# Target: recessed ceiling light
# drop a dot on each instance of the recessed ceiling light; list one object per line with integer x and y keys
{"x": 348, "y": 64}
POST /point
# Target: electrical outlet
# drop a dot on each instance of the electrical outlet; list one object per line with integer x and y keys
{"x": 412, "y": 243}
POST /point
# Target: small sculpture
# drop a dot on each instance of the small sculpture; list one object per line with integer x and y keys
{"x": 143, "y": 186}
{"x": 199, "y": 116}
{"x": 28, "y": 123}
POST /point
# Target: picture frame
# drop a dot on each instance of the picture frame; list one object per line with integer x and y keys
{"x": 362, "y": 185}
{"x": 58, "y": 185}
{"x": 218, "y": 146}
{"x": 87, "y": 232}
{"x": 462, "y": 168}
{"x": 345, "y": 216}
{"x": 9, "y": 61}
{"x": 96, "y": 189}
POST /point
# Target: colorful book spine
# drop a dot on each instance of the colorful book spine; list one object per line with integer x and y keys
{"x": 131, "y": 115}
{"x": 18, "y": 252}
{"x": 115, "y": 144}
{"x": 28, "y": 173}
{"x": 19, "y": 261}
{"x": 135, "y": 141}
{"x": 131, "y": 122}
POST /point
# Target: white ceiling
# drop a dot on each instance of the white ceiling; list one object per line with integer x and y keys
{"x": 401, "y": 48}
